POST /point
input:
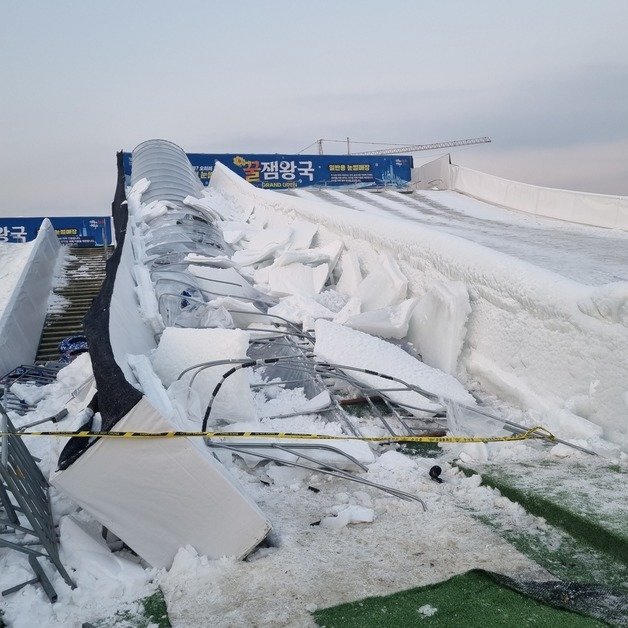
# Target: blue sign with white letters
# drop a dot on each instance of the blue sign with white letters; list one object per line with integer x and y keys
{"x": 296, "y": 171}
{"x": 71, "y": 230}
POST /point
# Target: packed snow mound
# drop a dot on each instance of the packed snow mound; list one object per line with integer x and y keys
{"x": 608, "y": 302}
{"x": 181, "y": 348}
{"x": 549, "y": 336}
{"x": 351, "y": 348}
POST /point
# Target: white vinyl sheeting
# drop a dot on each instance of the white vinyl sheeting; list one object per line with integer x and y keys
{"x": 435, "y": 174}
{"x": 598, "y": 210}
{"x": 158, "y": 495}
{"x": 23, "y": 318}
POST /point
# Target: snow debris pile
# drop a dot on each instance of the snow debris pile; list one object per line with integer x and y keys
{"x": 269, "y": 314}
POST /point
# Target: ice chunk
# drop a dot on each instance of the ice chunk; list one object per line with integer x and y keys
{"x": 384, "y": 286}
{"x": 328, "y": 253}
{"x": 438, "y": 325}
{"x": 205, "y": 205}
{"x": 181, "y": 348}
{"x": 302, "y": 235}
{"x": 297, "y": 279}
{"x": 134, "y": 195}
{"x": 150, "y": 384}
{"x": 349, "y": 514}
{"x": 352, "y": 308}
{"x": 389, "y": 322}
{"x": 149, "y": 309}
{"x": 299, "y": 308}
{"x": 351, "y": 276}
{"x": 352, "y": 348}
{"x": 262, "y": 245}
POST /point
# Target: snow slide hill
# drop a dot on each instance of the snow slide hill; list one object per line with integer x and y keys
{"x": 538, "y": 340}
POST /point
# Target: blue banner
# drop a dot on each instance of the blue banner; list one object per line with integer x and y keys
{"x": 296, "y": 171}
{"x": 71, "y": 230}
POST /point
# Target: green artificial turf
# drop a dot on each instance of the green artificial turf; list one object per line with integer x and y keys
{"x": 587, "y": 501}
{"x": 473, "y": 599}
{"x": 153, "y": 614}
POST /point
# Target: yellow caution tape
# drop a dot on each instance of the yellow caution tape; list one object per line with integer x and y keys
{"x": 531, "y": 433}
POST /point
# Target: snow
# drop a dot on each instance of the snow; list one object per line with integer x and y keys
{"x": 438, "y": 325}
{"x": 427, "y": 610}
{"x": 13, "y": 257}
{"x": 585, "y": 254}
{"x": 180, "y": 349}
{"x": 297, "y": 279}
{"x": 351, "y": 348}
{"x": 537, "y": 347}
{"x": 546, "y": 335}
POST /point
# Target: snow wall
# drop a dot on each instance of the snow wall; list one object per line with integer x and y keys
{"x": 156, "y": 495}
{"x": 598, "y": 210}
{"x": 549, "y": 345}
{"x": 23, "y": 317}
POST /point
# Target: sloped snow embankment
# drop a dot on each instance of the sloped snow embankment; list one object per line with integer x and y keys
{"x": 548, "y": 345}
{"x": 24, "y": 292}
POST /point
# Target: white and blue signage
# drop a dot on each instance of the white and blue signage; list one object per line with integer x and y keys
{"x": 296, "y": 171}
{"x": 71, "y": 230}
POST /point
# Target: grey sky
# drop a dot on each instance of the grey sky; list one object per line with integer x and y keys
{"x": 548, "y": 81}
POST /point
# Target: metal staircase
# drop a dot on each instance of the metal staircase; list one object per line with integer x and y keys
{"x": 84, "y": 274}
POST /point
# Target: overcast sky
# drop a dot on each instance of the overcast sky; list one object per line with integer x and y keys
{"x": 546, "y": 80}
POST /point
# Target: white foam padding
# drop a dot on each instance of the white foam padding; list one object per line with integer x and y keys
{"x": 180, "y": 348}
{"x": 158, "y": 495}
{"x": 349, "y": 347}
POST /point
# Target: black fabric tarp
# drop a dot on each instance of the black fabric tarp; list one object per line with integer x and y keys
{"x": 116, "y": 397}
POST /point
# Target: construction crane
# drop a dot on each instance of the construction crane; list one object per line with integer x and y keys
{"x": 415, "y": 148}
{"x": 398, "y": 148}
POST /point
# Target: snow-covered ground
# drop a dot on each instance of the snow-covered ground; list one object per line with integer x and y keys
{"x": 491, "y": 312}
{"x": 588, "y": 255}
